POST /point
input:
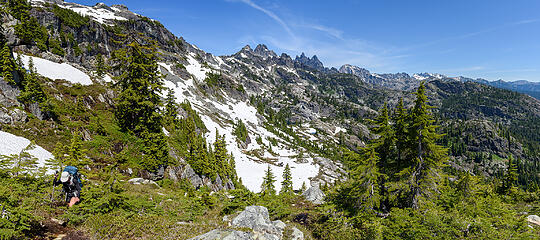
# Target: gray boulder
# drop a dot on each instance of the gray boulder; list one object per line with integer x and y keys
{"x": 256, "y": 218}
{"x": 315, "y": 195}
{"x": 297, "y": 234}
{"x": 534, "y": 219}
{"x": 279, "y": 225}
{"x": 139, "y": 181}
{"x": 224, "y": 234}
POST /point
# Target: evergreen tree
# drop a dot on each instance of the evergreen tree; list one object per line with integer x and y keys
{"x": 76, "y": 154}
{"x": 267, "y": 186}
{"x": 425, "y": 156}
{"x": 287, "y": 184}
{"x": 510, "y": 177}
{"x": 366, "y": 189}
{"x": 303, "y": 188}
{"x": 400, "y": 134}
{"x": 138, "y": 102}
{"x": 140, "y": 85}
{"x": 8, "y": 66}
{"x": 171, "y": 108}
{"x": 100, "y": 66}
{"x": 23, "y": 162}
{"x": 384, "y": 147}
{"x": 33, "y": 91}
{"x": 60, "y": 157}
{"x": 221, "y": 156}
{"x": 31, "y": 66}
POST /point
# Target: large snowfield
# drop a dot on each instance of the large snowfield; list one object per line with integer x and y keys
{"x": 54, "y": 70}
{"x": 11, "y": 144}
{"x": 215, "y": 116}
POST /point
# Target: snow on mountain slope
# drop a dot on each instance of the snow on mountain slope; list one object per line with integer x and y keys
{"x": 218, "y": 116}
{"x": 12, "y": 144}
{"x": 100, "y": 12}
{"x": 54, "y": 70}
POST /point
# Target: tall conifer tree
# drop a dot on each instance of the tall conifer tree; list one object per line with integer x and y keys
{"x": 287, "y": 184}
{"x": 267, "y": 186}
{"x": 425, "y": 156}
{"x": 138, "y": 102}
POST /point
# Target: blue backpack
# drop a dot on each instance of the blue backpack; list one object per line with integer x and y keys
{"x": 74, "y": 172}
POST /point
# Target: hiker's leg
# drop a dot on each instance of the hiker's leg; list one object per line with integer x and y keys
{"x": 73, "y": 201}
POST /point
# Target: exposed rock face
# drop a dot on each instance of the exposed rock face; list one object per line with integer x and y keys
{"x": 185, "y": 171}
{"x": 263, "y": 51}
{"x": 190, "y": 175}
{"x": 330, "y": 171}
{"x": 315, "y": 195}
{"x": 257, "y": 219}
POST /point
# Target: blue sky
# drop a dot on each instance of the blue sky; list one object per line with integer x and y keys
{"x": 476, "y": 38}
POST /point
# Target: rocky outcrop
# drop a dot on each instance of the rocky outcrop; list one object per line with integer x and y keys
{"x": 257, "y": 219}
{"x": 176, "y": 173}
{"x": 315, "y": 195}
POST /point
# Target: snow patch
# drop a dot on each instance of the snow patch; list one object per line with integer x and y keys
{"x": 12, "y": 144}
{"x": 196, "y": 68}
{"x": 54, "y": 70}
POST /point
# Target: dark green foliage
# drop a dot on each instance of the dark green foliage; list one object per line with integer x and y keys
{"x": 138, "y": 102}
{"x": 267, "y": 187}
{"x": 139, "y": 86}
{"x": 32, "y": 91}
{"x": 69, "y": 17}
{"x": 18, "y": 204}
{"x": 510, "y": 178}
{"x": 8, "y": 65}
{"x": 171, "y": 109}
{"x": 213, "y": 79}
{"x": 55, "y": 47}
{"x": 187, "y": 138}
{"x": 240, "y": 131}
{"x": 286, "y": 184}
{"x": 101, "y": 69}
{"x": 425, "y": 155}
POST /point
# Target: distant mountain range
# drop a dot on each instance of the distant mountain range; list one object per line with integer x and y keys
{"x": 522, "y": 86}
{"x": 404, "y": 81}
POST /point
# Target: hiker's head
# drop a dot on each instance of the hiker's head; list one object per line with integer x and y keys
{"x": 64, "y": 177}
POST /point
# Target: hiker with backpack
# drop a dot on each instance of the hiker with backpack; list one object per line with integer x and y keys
{"x": 71, "y": 184}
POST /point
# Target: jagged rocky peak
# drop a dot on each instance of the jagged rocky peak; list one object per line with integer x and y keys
{"x": 246, "y": 48}
{"x": 354, "y": 70}
{"x": 263, "y": 51}
{"x": 312, "y": 62}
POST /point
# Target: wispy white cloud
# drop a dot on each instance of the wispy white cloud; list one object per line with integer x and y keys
{"x": 336, "y": 33}
{"x": 335, "y": 52}
{"x": 470, "y": 34}
{"x": 270, "y": 14}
